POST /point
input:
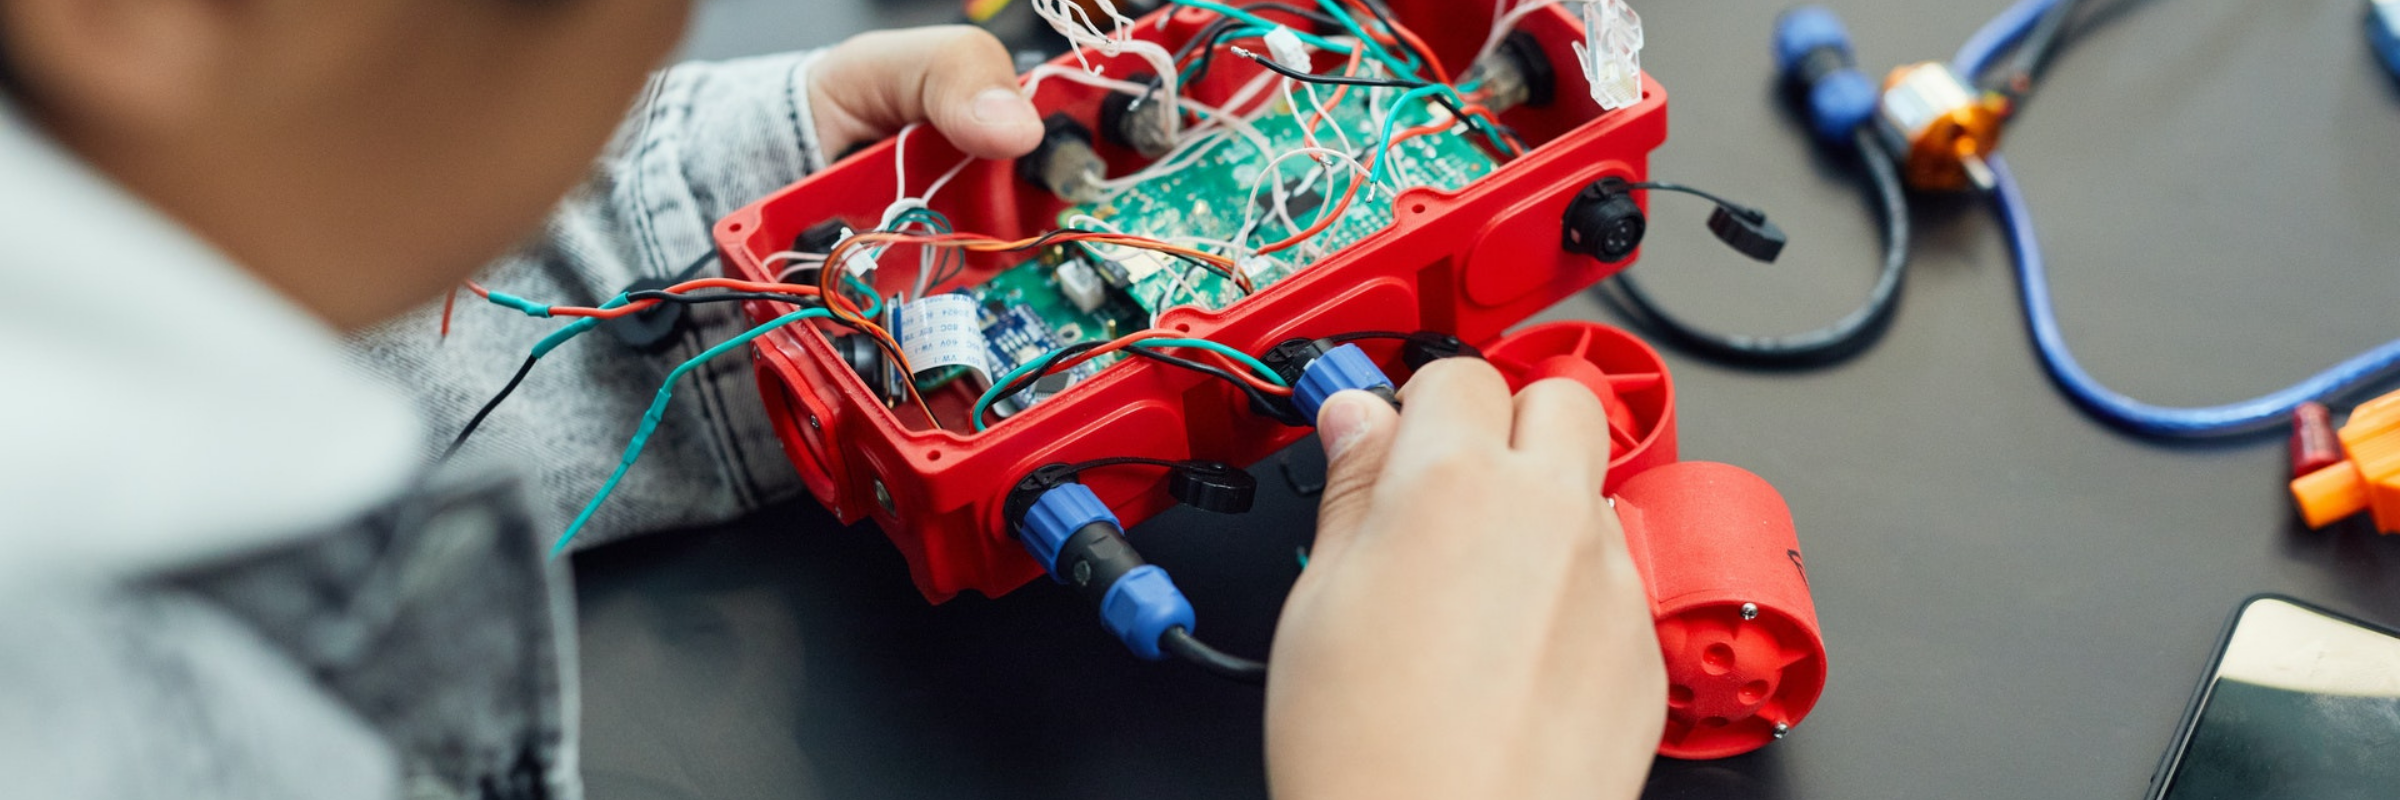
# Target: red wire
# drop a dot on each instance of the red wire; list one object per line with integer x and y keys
{"x": 1327, "y": 220}
{"x": 639, "y": 306}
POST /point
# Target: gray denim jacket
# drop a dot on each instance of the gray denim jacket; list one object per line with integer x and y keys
{"x": 426, "y": 649}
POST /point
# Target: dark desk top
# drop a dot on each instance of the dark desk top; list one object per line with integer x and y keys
{"x": 2017, "y": 600}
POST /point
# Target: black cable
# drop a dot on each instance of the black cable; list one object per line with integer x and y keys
{"x": 477, "y": 420}
{"x": 1846, "y": 335}
{"x": 1216, "y": 662}
{"x": 1663, "y": 186}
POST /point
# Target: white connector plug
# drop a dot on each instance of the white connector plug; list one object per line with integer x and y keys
{"x": 1611, "y": 53}
{"x": 1284, "y": 46}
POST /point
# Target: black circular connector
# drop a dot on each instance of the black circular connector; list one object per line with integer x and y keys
{"x": 1604, "y": 222}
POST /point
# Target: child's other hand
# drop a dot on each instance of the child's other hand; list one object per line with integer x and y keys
{"x": 1470, "y": 623}
{"x": 957, "y": 77}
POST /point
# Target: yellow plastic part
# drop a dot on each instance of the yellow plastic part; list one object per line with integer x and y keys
{"x": 2368, "y": 477}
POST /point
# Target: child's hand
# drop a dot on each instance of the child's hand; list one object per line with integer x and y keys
{"x": 957, "y": 77}
{"x": 1470, "y": 623}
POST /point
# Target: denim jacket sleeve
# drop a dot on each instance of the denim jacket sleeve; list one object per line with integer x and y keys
{"x": 713, "y": 137}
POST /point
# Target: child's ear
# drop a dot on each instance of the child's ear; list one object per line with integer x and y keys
{"x": 151, "y": 64}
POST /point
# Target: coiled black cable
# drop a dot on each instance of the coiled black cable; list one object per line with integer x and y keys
{"x": 1845, "y": 336}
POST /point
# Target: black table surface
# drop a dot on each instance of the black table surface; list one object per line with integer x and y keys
{"x": 2017, "y": 598}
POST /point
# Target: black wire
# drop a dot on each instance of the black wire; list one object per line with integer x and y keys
{"x": 1845, "y": 336}
{"x": 1027, "y": 380}
{"x": 1216, "y": 662}
{"x": 1277, "y": 408}
{"x": 1456, "y": 112}
{"x": 477, "y": 420}
{"x": 1384, "y": 16}
{"x": 720, "y": 297}
{"x": 1208, "y": 38}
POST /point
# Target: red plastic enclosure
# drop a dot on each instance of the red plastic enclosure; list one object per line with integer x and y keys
{"x": 1714, "y": 544}
{"x": 1471, "y": 263}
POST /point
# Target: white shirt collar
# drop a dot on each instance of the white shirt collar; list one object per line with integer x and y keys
{"x": 159, "y": 405}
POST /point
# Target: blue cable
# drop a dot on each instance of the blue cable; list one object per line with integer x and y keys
{"x": 658, "y": 411}
{"x": 2033, "y": 279}
{"x": 1995, "y": 37}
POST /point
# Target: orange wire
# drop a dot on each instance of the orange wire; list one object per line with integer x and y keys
{"x": 449, "y": 302}
{"x": 1440, "y": 73}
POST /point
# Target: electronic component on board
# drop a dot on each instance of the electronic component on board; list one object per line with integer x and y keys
{"x": 1064, "y": 163}
{"x": 1081, "y": 285}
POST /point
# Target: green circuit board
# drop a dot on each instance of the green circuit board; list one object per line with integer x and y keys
{"x": 1212, "y": 196}
{"x": 1023, "y": 305}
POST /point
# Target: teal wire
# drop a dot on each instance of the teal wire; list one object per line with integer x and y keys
{"x": 1390, "y": 120}
{"x": 1374, "y": 48}
{"x": 658, "y": 411}
{"x": 984, "y": 404}
{"x": 1311, "y": 39}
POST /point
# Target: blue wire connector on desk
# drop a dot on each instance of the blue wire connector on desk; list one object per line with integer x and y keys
{"x": 2383, "y": 28}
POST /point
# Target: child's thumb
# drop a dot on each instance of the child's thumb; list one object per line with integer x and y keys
{"x": 1356, "y": 429}
{"x": 957, "y": 77}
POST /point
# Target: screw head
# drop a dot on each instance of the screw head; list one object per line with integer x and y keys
{"x": 1782, "y": 730}
{"x": 883, "y": 497}
{"x": 1083, "y": 573}
{"x": 1749, "y": 611}
{"x": 813, "y": 424}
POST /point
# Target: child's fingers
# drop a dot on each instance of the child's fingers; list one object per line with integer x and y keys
{"x": 959, "y": 78}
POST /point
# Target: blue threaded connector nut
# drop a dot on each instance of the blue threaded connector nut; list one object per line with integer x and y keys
{"x": 1344, "y": 367}
{"x": 1058, "y": 516}
{"x": 1813, "y": 54}
{"x": 1141, "y": 606}
{"x": 1082, "y": 544}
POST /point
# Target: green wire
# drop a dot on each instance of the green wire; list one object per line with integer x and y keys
{"x": 658, "y": 412}
{"x": 984, "y": 404}
{"x": 1390, "y": 120}
{"x": 1374, "y": 48}
{"x": 1319, "y": 42}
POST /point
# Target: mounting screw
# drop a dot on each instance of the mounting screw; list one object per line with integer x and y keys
{"x": 1749, "y": 611}
{"x": 813, "y": 424}
{"x": 1782, "y": 729}
{"x": 883, "y": 497}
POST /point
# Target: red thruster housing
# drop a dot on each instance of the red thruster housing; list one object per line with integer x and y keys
{"x": 1471, "y": 263}
{"x": 1714, "y": 543}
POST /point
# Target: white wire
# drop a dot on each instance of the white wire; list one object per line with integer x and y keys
{"x": 802, "y": 261}
{"x": 1505, "y": 19}
{"x": 1249, "y": 211}
{"x": 1068, "y": 18}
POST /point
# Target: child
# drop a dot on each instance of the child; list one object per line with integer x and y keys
{"x": 228, "y": 570}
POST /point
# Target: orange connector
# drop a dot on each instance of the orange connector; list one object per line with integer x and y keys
{"x": 2368, "y": 476}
